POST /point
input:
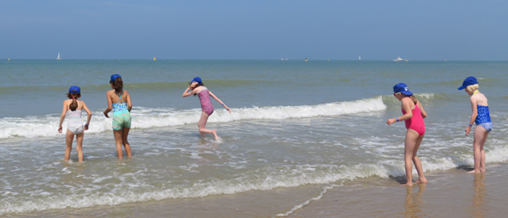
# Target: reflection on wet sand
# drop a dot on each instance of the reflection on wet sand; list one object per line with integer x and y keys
{"x": 478, "y": 206}
{"x": 414, "y": 203}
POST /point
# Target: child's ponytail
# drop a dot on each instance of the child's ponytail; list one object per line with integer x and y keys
{"x": 74, "y": 105}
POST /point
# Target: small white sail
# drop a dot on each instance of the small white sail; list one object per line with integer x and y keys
{"x": 58, "y": 57}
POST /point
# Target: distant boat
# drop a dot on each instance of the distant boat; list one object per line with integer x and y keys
{"x": 154, "y": 59}
{"x": 8, "y": 59}
{"x": 399, "y": 59}
{"x": 306, "y": 59}
{"x": 359, "y": 58}
{"x": 58, "y": 57}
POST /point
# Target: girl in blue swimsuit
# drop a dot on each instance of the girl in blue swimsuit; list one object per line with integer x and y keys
{"x": 481, "y": 117}
{"x": 196, "y": 87}
{"x": 72, "y": 108}
{"x": 119, "y": 101}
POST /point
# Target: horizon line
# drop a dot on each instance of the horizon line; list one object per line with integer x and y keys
{"x": 318, "y": 59}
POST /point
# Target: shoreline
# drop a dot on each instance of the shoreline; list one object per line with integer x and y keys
{"x": 454, "y": 193}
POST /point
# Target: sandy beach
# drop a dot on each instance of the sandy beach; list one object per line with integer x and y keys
{"x": 454, "y": 193}
{"x": 448, "y": 194}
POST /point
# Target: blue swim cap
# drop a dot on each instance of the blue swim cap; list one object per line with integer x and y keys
{"x": 198, "y": 80}
{"x": 114, "y": 76}
{"x": 402, "y": 88}
{"x": 74, "y": 90}
{"x": 468, "y": 81}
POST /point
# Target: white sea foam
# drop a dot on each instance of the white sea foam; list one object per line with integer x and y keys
{"x": 157, "y": 117}
{"x": 266, "y": 178}
{"x": 425, "y": 95}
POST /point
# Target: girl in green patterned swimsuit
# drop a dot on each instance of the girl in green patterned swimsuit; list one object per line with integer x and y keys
{"x": 119, "y": 101}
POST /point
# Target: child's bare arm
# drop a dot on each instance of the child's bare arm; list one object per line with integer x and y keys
{"x": 89, "y": 115}
{"x": 424, "y": 113}
{"x": 218, "y": 100}
{"x": 62, "y": 117}
{"x": 110, "y": 105}
{"x": 186, "y": 93}
{"x": 473, "y": 116}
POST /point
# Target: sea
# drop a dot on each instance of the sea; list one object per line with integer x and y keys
{"x": 297, "y": 129}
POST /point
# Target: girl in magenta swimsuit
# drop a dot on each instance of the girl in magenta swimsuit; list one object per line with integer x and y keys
{"x": 196, "y": 87}
{"x": 413, "y": 115}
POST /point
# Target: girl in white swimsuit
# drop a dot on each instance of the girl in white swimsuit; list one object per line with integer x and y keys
{"x": 72, "y": 109}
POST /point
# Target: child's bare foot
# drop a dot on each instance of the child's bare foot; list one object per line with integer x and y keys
{"x": 408, "y": 184}
{"x": 424, "y": 181}
{"x": 473, "y": 171}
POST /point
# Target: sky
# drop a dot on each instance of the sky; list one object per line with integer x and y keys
{"x": 236, "y": 29}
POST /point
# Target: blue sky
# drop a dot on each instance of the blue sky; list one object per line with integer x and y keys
{"x": 219, "y": 29}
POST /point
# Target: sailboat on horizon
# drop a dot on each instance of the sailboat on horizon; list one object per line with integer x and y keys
{"x": 58, "y": 57}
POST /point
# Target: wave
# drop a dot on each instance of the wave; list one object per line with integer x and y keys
{"x": 389, "y": 100}
{"x": 131, "y": 86}
{"x": 143, "y": 118}
{"x": 265, "y": 178}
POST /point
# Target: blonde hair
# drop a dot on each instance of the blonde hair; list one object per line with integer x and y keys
{"x": 472, "y": 88}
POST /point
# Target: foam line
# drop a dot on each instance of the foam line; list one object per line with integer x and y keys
{"x": 144, "y": 118}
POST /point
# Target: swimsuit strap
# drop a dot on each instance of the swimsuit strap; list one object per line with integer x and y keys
{"x": 202, "y": 89}
{"x": 475, "y": 92}
{"x": 120, "y": 96}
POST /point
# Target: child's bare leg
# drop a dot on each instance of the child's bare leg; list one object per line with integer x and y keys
{"x": 479, "y": 135}
{"x": 202, "y": 124}
{"x": 118, "y": 142}
{"x": 410, "y": 143}
{"x": 482, "y": 163}
{"x": 69, "y": 136}
{"x": 418, "y": 163}
{"x": 125, "y": 142}
{"x": 215, "y": 134}
{"x": 79, "y": 145}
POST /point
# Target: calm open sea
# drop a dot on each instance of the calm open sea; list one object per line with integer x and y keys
{"x": 295, "y": 125}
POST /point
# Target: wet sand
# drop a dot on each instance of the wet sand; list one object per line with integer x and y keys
{"x": 454, "y": 193}
{"x": 448, "y": 194}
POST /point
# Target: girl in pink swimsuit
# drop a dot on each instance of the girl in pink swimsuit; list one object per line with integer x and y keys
{"x": 413, "y": 115}
{"x": 196, "y": 87}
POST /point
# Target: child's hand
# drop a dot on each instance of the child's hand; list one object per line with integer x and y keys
{"x": 60, "y": 129}
{"x": 227, "y": 108}
{"x": 86, "y": 127}
{"x": 106, "y": 114}
{"x": 468, "y": 129}
{"x": 391, "y": 121}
